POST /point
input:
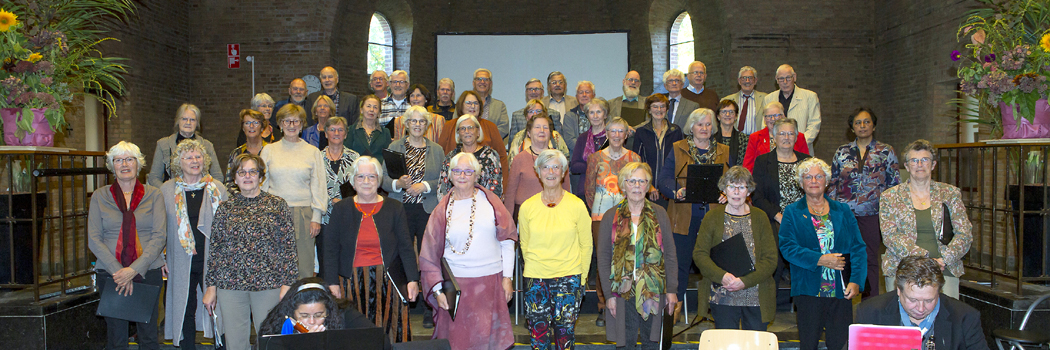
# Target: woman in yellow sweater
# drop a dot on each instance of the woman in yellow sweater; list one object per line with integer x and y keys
{"x": 555, "y": 236}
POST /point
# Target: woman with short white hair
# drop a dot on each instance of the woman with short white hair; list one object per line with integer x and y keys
{"x": 418, "y": 189}
{"x": 187, "y": 127}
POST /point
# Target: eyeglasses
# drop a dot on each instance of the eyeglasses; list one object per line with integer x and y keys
{"x": 317, "y": 316}
{"x": 698, "y": 73}
{"x": 637, "y": 182}
{"x": 417, "y": 121}
{"x": 749, "y": 78}
{"x": 535, "y": 111}
{"x": 557, "y": 82}
{"x": 633, "y": 80}
{"x": 786, "y": 133}
{"x": 785, "y": 79}
{"x": 551, "y": 167}
{"x": 336, "y": 129}
{"x": 618, "y": 131}
{"x": 378, "y": 79}
{"x": 466, "y": 128}
{"x": 533, "y": 89}
{"x": 727, "y": 112}
{"x": 820, "y": 177}
{"x": 291, "y": 122}
{"x": 128, "y": 160}
{"x": 471, "y": 103}
{"x": 467, "y": 172}
{"x": 366, "y": 177}
{"x": 736, "y": 188}
{"x": 252, "y": 123}
{"x": 674, "y": 81}
{"x": 771, "y": 116}
{"x": 266, "y": 105}
{"x": 195, "y": 157}
{"x": 918, "y": 161}
{"x": 398, "y": 82}
{"x": 482, "y": 79}
{"x": 248, "y": 173}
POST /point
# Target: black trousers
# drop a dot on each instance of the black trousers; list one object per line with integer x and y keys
{"x": 748, "y": 318}
{"x": 117, "y": 329}
{"x": 189, "y": 320}
{"x": 417, "y": 222}
{"x": 814, "y": 315}
{"x": 635, "y": 327}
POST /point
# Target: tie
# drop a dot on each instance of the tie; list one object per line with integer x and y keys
{"x": 670, "y": 110}
{"x": 743, "y": 113}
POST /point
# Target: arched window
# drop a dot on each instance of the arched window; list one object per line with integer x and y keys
{"x": 681, "y": 48}
{"x": 380, "y": 44}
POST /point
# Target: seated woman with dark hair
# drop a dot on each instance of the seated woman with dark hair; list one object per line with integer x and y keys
{"x": 310, "y": 304}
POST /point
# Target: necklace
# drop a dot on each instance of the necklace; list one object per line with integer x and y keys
{"x": 550, "y": 203}
{"x": 448, "y": 222}
{"x": 820, "y": 210}
{"x": 363, "y": 213}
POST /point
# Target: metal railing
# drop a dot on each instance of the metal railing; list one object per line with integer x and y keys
{"x": 1004, "y": 187}
{"x": 44, "y": 199}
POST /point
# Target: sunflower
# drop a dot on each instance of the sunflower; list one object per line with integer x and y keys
{"x": 7, "y": 20}
{"x": 33, "y": 57}
{"x": 1045, "y": 42}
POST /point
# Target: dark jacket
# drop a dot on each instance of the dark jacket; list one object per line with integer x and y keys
{"x": 349, "y": 106}
{"x": 767, "y": 182}
{"x": 340, "y": 239}
{"x": 957, "y": 326}
{"x": 644, "y": 143}
{"x": 800, "y": 247}
{"x": 357, "y": 140}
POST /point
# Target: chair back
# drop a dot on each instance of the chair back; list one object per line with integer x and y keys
{"x": 1032, "y": 308}
{"x": 735, "y": 339}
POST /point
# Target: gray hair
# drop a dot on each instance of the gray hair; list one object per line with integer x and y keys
{"x": 601, "y": 103}
{"x": 920, "y": 145}
{"x": 785, "y": 121}
{"x": 696, "y": 116}
{"x": 552, "y": 75}
{"x": 471, "y": 160}
{"x": 548, "y": 155}
{"x": 619, "y": 121}
{"x": 774, "y": 104}
{"x": 787, "y": 68}
{"x": 187, "y": 146}
{"x": 806, "y": 165}
{"x": 585, "y": 82}
{"x": 122, "y": 148}
{"x": 735, "y": 175}
{"x": 415, "y": 111}
{"x": 451, "y": 84}
{"x": 362, "y": 160}
{"x": 746, "y": 69}
{"x": 336, "y": 121}
{"x": 673, "y": 74}
{"x": 260, "y": 98}
{"x": 479, "y": 70}
{"x": 408, "y": 81}
{"x": 533, "y": 80}
{"x": 187, "y": 107}
{"x": 470, "y": 118}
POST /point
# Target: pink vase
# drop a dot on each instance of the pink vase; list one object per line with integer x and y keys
{"x": 1022, "y": 129}
{"x": 44, "y": 135}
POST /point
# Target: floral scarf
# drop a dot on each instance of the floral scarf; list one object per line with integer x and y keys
{"x": 640, "y": 275}
{"x": 185, "y": 231}
{"x": 707, "y": 157}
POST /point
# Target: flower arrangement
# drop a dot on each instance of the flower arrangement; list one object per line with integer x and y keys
{"x": 1007, "y": 58}
{"x": 49, "y": 53}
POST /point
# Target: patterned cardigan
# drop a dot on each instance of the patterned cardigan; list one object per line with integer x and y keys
{"x": 897, "y": 221}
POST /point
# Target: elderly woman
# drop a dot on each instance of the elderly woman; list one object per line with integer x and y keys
{"x": 730, "y": 136}
{"x": 367, "y": 137}
{"x": 911, "y": 216}
{"x": 126, "y": 234}
{"x": 652, "y": 142}
{"x": 417, "y": 190}
{"x": 737, "y": 302}
{"x": 590, "y": 141}
{"x": 367, "y": 236}
{"x": 521, "y": 141}
{"x": 338, "y": 159}
{"x": 323, "y": 109}
{"x": 262, "y": 103}
{"x": 697, "y": 148}
{"x": 471, "y": 103}
{"x": 252, "y": 124}
{"x": 475, "y": 234}
{"x": 819, "y": 236}
{"x": 252, "y": 258}
{"x": 776, "y": 186}
{"x": 469, "y": 137}
{"x": 187, "y": 126}
{"x": 418, "y": 95}
{"x": 763, "y": 140}
{"x": 860, "y": 171}
{"x": 523, "y": 182}
{"x": 297, "y": 175}
{"x": 636, "y": 262}
{"x": 191, "y": 198}
{"x": 556, "y": 246}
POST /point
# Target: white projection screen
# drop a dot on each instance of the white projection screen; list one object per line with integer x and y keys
{"x": 515, "y": 58}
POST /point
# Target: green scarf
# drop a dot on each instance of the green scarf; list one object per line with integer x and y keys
{"x": 647, "y": 260}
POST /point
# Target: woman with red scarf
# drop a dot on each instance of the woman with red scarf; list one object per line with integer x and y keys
{"x": 126, "y": 233}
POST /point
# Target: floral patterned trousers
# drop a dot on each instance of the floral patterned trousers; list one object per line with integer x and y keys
{"x": 551, "y": 308}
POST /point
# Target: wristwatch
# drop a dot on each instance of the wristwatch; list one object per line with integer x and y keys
{"x": 439, "y": 292}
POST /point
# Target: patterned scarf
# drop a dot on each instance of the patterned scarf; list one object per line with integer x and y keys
{"x": 128, "y": 247}
{"x": 707, "y": 157}
{"x": 183, "y": 220}
{"x": 590, "y": 146}
{"x": 641, "y": 274}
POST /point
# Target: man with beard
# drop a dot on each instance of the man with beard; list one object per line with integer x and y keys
{"x": 629, "y": 101}
{"x": 696, "y": 92}
{"x": 446, "y": 99}
{"x": 749, "y": 119}
{"x": 346, "y": 104}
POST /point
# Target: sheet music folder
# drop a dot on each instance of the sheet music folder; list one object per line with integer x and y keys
{"x": 731, "y": 255}
{"x": 451, "y": 288}
{"x": 633, "y": 116}
{"x": 354, "y": 338}
{"x": 701, "y": 185}
{"x": 137, "y": 307}
{"x": 396, "y": 274}
{"x": 395, "y": 164}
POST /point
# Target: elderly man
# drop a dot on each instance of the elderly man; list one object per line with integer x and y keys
{"x": 296, "y": 95}
{"x": 346, "y": 104}
{"x": 534, "y": 91}
{"x": 584, "y": 95}
{"x": 945, "y": 322}
{"x": 678, "y": 108}
{"x": 696, "y": 92}
{"x": 495, "y": 111}
{"x": 396, "y": 103}
{"x": 558, "y": 100}
{"x": 379, "y": 83}
{"x": 749, "y": 117}
{"x": 446, "y": 99}
{"x": 629, "y": 101}
{"x": 799, "y": 104}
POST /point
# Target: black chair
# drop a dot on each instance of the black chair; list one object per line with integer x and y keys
{"x": 1020, "y": 338}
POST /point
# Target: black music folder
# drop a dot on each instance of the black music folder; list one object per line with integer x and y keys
{"x": 335, "y": 339}
{"x": 847, "y": 271}
{"x": 634, "y": 116}
{"x": 396, "y": 274}
{"x": 667, "y": 328}
{"x": 450, "y": 287}
{"x": 395, "y": 164}
{"x": 701, "y": 185}
{"x": 347, "y": 190}
{"x": 137, "y": 307}
{"x": 731, "y": 255}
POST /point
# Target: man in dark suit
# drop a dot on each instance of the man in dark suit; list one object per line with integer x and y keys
{"x": 946, "y": 322}
{"x": 346, "y": 104}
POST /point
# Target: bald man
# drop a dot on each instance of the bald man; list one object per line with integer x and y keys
{"x": 346, "y": 104}
{"x": 632, "y": 83}
{"x": 297, "y": 95}
{"x": 799, "y": 104}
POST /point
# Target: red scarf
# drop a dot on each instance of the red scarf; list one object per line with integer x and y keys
{"x": 128, "y": 247}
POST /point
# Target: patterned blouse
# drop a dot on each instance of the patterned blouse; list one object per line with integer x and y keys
{"x": 897, "y": 221}
{"x": 252, "y": 244}
{"x": 416, "y": 164}
{"x": 737, "y": 225}
{"x": 491, "y": 176}
{"x": 826, "y": 238}
{"x": 790, "y": 191}
{"x": 737, "y": 142}
{"x": 338, "y": 174}
{"x": 859, "y": 182}
{"x": 229, "y": 182}
{"x": 601, "y": 184}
